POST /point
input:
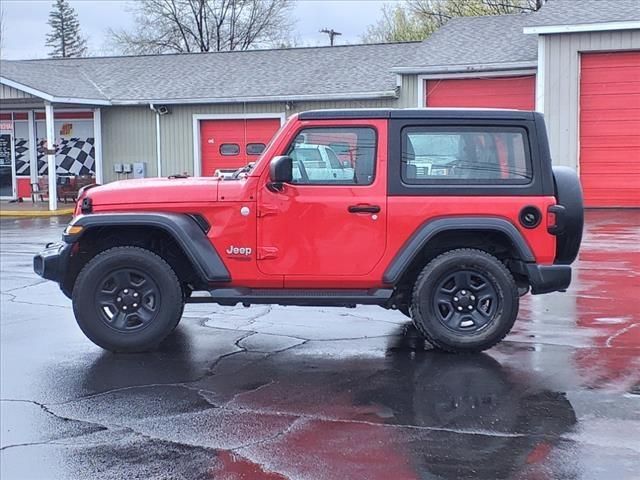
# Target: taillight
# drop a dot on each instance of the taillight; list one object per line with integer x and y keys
{"x": 551, "y": 219}
{"x": 556, "y": 219}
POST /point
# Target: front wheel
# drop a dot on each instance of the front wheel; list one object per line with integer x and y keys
{"x": 464, "y": 300}
{"x": 127, "y": 299}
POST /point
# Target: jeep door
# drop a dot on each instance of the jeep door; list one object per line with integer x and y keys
{"x": 331, "y": 225}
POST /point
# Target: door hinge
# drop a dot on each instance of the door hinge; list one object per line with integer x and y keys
{"x": 265, "y": 253}
{"x": 265, "y": 210}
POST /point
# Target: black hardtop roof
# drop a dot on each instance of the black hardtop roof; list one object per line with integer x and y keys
{"x": 418, "y": 113}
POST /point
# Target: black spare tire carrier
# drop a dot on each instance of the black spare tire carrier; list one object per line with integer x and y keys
{"x": 569, "y": 214}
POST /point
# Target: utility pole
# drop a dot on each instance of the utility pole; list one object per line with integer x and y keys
{"x": 332, "y": 34}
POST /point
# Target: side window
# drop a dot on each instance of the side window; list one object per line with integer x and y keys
{"x": 465, "y": 155}
{"x": 334, "y": 156}
{"x": 229, "y": 149}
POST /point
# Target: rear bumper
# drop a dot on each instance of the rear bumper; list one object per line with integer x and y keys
{"x": 51, "y": 263}
{"x": 548, "y": 278}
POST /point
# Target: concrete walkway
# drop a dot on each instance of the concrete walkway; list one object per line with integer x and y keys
{"x": 29, "y": 209}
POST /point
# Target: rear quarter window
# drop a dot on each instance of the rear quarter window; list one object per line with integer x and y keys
{"x": 465, "y": 155}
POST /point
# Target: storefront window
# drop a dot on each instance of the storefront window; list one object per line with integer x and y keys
{"x": 21, "y": 145}
{"x": 75, "y": 150}
{"x": 6, "y": 178}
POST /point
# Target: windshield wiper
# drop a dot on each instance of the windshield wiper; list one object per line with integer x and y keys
{"x": 246, "y": 169}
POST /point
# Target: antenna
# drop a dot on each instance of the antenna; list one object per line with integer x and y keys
{"x": 332, "y": 34}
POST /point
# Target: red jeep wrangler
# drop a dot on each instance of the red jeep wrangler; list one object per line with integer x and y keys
{"x": 446, "y": 215}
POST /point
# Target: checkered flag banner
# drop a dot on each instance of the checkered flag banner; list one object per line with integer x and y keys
{"x": 22, "y": 156}
{"x": 74, "y": 156}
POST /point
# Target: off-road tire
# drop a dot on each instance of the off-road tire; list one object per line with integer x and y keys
{"x": 168, "y": 305}
{"x": 428, "y": 321}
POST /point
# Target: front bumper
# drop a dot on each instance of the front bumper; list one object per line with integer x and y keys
{"x": 52, "y": 262}
{"x": 548, "y": 278}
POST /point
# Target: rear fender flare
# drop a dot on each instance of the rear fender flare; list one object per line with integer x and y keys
{"x": 181, "y": 227}
{"x": 427, "y": 231}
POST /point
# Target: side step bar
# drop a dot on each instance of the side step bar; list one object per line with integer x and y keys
{"x": 304, "y": 298}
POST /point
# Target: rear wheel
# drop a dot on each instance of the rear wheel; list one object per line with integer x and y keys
{"x": 127, "y": 299}
{"x": 464, "y": 301}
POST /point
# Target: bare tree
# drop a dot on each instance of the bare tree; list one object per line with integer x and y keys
{"x": 397, "y": 24}
{"x": 183, "y": 26}
{"x": 438, "y": 12}
{"x": 417, "y": 19}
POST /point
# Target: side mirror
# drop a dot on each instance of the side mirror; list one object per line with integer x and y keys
{"x": 280, "y": 172}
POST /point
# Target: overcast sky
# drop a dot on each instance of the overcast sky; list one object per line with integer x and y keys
{"x": 26, "y": 22}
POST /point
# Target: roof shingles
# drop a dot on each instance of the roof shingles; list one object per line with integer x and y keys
{"x": 463, "y": 44}
{"x": 59, "y": 80}
{"x": 479, "y": 41}
{"x": 573, "y": 12}
{"x": 342, "y": 70}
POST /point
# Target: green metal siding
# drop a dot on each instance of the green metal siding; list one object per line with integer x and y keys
{"x": 408, "y": 92}
{"x": 562, "y": 80}
{"x": 176, "y": 130}
{"x": 128, "y": 135}
{"x": 10, "y": 93}
{"x": 379, "y": 103}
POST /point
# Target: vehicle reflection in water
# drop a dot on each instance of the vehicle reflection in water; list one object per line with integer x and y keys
{"x": 407, "y": 413}
{"x": 173, "y": 362}
{"x": 488, "y": 422}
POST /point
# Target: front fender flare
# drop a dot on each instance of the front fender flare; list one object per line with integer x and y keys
{"x": 428, "y": 230}
{"x": 181, "y": 227}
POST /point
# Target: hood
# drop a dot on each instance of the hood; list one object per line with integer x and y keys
{"x": 156, "y": 190}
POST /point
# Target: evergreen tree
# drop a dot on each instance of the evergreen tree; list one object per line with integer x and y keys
{"x": 65, "y": 39}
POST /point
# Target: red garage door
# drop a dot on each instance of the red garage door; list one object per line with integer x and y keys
{"x": 498, "y": 92}
{"x": 610, "y": 129}
{"x": 232, "y": 143}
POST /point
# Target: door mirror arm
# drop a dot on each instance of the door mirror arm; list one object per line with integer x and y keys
{"x": 275, "y": 187}
{"x": 280, "y": 172}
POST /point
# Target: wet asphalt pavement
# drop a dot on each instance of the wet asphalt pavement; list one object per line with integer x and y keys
{"x": 292, "y": 393}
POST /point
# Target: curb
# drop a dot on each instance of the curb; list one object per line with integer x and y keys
{"x": 36, "y": 213}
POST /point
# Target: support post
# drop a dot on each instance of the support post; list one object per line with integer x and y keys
{"x": 51, "y": 156}
{"x": 33, "y": 147}
{"x": 540, "y": 74}
{"x": 97, "y": 145}
{"x": 158, "y": 145}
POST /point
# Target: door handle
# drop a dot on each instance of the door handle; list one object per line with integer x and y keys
{"x": 364, "y": 209}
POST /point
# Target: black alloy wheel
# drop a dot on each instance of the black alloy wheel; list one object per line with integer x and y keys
{"x": 127, "y": 299}
{"x": 464, "y": 300}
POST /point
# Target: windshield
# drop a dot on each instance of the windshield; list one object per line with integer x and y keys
{"x": 253, "y": 163}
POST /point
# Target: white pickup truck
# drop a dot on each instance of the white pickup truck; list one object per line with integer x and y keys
{"x": 313, "y": 162}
